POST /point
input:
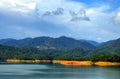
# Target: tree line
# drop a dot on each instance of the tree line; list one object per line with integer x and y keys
{"x": 7, "y": 52}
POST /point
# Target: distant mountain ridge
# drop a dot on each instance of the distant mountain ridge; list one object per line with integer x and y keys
{"x": 49, "y": 43}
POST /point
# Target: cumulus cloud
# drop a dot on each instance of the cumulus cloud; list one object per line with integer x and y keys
{"x": 59, "y": 11}
{"x": 117, "y": 18}
{"x": 80, "y": 16}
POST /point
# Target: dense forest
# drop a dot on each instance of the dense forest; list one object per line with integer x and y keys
{"x": 105, "y": 52}
{"x": 7, "y": 52}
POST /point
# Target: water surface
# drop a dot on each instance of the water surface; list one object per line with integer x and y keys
{"x": 50, "y": 71}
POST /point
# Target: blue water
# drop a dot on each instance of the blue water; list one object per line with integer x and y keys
{"x": 50, "y": 71}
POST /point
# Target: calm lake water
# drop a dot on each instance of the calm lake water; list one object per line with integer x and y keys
{"x": 49, "y": 71}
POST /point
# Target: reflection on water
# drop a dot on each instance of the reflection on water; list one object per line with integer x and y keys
{"x": 42, "y": 71}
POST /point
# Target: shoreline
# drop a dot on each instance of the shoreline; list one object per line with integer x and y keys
{"x": 66, "y": 62}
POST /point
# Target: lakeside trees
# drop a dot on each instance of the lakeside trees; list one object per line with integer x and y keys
{"x": 7, "y": 52}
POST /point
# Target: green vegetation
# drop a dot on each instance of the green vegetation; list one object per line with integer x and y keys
{"x": 7, "y": 52}
{"x": 104, "y": 57}
{"x": 74, "y": 54}
{"x": 112, "y": 47}
{"x": 107, "y": 52}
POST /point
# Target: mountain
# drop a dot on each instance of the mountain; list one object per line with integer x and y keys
{"x": 110, "y": 47}
{"x": 13, "y": 42}
{"x": 54, "y": 48}
{"x": 2, "y": 41}
{"x": 60, "y": 43}
{"x": 96, "y": 44}
{"x": 106, "y": 43}
{"x": 93, "y": 43}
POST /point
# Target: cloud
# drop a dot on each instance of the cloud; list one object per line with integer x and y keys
{"x": 117, "y": 19}
{"x": 18, "y": 5}
{"x": 47, "y": 13}
{"x": 58, "y": 17}
{"x": 59, "y": 11}
{"x": 80, "y": 16}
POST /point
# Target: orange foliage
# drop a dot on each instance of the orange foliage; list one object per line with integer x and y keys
{"x": 100, "y": 63}
{"x": 27, "y": 61}
{"x": 76, "y": 63}
{"x": 13, "y": 61}
{"x": 66, "y": 63}
{"x": 37, "y": 61}
{"x": 45, "y": 61}
{"x": 56, "y": 61}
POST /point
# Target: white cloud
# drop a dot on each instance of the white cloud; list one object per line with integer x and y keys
{"x": 117, "y": 18}
{"x": 18, "y": 5}
{"x": 31, "y": 5}
{"x": 1, "y": 4}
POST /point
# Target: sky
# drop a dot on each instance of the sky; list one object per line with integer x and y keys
{"x": 97, "y": 20}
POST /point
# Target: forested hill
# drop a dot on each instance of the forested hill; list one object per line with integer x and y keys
{"x": 107, "y": 52}
{"x": 112, "y": 47}
{"x": 7, "y": 52}
{"x": 60, "y": 43}
{"x": 48, "y": 48}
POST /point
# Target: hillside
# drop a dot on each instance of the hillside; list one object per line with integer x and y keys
{"x": 61, "y": 43}
{"x": 96, "y": 44}
{"x": 55, "y": 48}
{"x": 112, "y": 47}
{"x": 7, "y": 52}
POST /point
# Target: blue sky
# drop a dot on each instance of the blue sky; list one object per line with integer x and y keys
{"x": 97, "y": 20}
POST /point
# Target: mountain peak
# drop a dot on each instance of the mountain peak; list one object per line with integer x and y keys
{"x": 65, "y": 37}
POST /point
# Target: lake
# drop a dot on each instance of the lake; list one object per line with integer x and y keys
{"x": 50, "y": 71}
